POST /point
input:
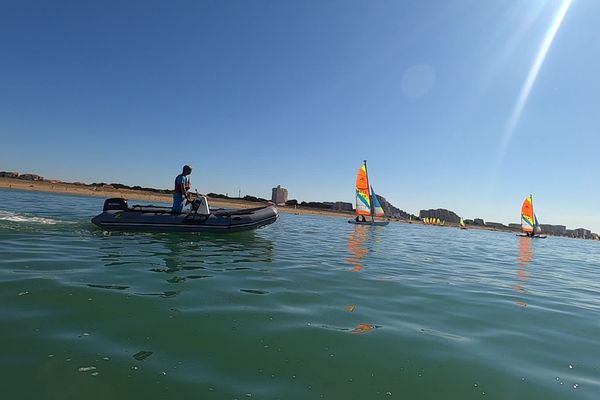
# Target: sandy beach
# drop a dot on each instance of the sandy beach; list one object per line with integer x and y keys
{"x": 98, "y": 191}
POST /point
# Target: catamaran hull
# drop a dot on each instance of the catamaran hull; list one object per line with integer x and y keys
{"x": 161, "y": 219}
{"x": 533, "y": 237}
{"x": 375, "y": 223}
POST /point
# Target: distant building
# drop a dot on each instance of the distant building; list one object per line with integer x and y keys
{"x": 478, "y": 221}
{"x": 469, "y": 222}
{"x": 31, "y": 177}
{"x": 8, "y": 174}
{"x": 583, "y": 233}
{"x": 342, "y": 206}
{"x": 558, "y": 230}
{"x": 279, "y": 195}
{"x": 495, "y": 225}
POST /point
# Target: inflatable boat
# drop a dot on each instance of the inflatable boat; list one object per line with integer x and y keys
{"x": 117, "y": 215}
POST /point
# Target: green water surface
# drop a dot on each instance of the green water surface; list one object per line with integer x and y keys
{"x": 307, "y": 308}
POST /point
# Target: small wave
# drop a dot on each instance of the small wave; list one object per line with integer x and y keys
{"x": 13, "y": 217}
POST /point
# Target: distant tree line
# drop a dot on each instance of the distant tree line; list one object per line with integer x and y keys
{"x": 315, "y": 204}
{"x": 309, "y": 204}
{"x": 293, "y": 202}
{"x": 122, "y": 186}
{"x": 247, "y": 197}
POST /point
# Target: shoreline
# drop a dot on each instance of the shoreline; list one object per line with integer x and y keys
{"x": 141, "y": 195}
{"x": 129, "y": 194}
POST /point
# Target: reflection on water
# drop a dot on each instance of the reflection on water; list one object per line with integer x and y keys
{"x": 142, "y": 355}
{"x": 525, "y": 251}
{"x": 525, "y": 258}
{"x": 363, "y": 328}
{"x": 116, "y": 287}
{"x": 356, "y": 246}
{"x": 187, "y": 251}
{"x": 178, "y": 255}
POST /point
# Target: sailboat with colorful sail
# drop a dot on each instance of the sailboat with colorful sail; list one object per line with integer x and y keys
{"x": 367, "y": 203}
{"x": 461, "y": 223}
{"x": 530, "y": 227}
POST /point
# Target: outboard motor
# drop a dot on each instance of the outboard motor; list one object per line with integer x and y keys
{"x": 200, "y": 206}
{"x": 116, "y": 203}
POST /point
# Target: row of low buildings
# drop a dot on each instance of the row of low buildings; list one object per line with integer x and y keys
{"x": 341, "y": 206}
{"x": 16, "y": 175}
{"x": 561, "y": 230}
{"x": 554, "y": 230}
{"x": 280, "y": 196}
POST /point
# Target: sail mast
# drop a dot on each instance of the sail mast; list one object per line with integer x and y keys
{"x": 369, "y": 192}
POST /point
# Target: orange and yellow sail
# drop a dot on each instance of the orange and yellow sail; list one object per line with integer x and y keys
{"x": 366, "y": 200}
{"x": 529, "y": 222}
{"x": 363, "y": 197}
{"x": 527, "y": 216}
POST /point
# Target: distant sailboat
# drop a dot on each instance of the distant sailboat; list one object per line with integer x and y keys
{"x": 530, "y": 226}
{"x": 367, "y": 203}
{"x": 461, "y": 223}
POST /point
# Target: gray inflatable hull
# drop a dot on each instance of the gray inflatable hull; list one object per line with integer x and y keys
{"x": 161, "y": 219}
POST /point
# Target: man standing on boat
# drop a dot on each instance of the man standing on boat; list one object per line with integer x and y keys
{"x": 182, "y": 187}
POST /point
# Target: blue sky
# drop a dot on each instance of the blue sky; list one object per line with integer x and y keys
{"x": 258, "y": 93}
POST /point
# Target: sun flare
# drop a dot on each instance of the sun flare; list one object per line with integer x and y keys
{"x": 534, "y": 70}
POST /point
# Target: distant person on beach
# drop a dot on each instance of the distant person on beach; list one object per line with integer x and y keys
{"x": 182, "y": 187}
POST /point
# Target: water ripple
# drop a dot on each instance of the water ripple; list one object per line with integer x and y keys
{"x": 309, "y": 307}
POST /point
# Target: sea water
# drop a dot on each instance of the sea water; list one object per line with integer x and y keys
{"x": 307, "y": 308}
